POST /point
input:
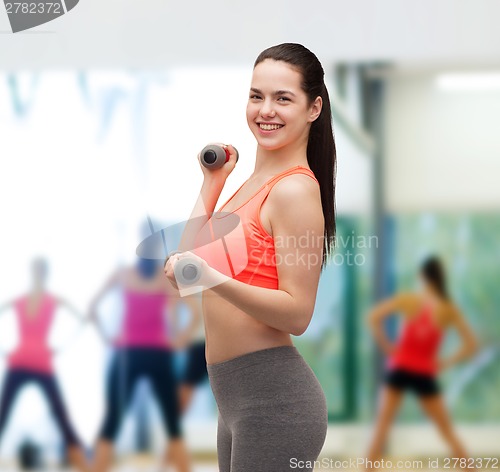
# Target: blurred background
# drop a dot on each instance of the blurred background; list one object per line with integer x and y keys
{"x": 102, "y": 114}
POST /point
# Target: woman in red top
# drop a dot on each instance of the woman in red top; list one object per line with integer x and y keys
{"x": 261, "y": 279}
{"x": 31, "y": 361}
{"x": 413, "y": 361}
{"x": 143, "y": 349}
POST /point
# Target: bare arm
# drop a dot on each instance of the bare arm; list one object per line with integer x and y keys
{"x": 469, "y": 341}
{"x": 92, "y": 316}
{"x": 76, "y": 332}
{"x": 378, "y": 314}
{"x": 204, "y": 207}
{"x": 181, "y": 339}
{"x": 202, "y": 211}
{"x": 295, "y": 214}
{"x": 173, "y": 319}
{"x": 173, "y": 313}
{"x": 194, "y": 304}
{"x": 77, "y": 314}
{"x": 110, "y": 283}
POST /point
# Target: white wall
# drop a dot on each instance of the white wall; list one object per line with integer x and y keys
{"x": 152, "y": 33}
{"x": 442, "y": 146}
{"x": 354, "y": 192}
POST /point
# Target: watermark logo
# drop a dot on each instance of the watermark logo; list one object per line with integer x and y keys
{"x": 24, "y": 15}
{"x": 220, "y": 242}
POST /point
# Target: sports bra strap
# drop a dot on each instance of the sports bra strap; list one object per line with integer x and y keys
{"x": 293, "y": 170}
{"x": 270, "y": 183}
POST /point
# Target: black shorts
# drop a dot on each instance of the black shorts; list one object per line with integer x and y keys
{"x": 420, "y": 384}
{"x": 128, "y": 367}
{"x": 196, "y": 366}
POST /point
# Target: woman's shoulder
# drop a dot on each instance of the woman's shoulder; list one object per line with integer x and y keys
{"x": 451, "y": 310}
{"x": 411, "y": 302}
{"x": 295, "y": 200}
{"x": 294, "y": 187}
{"x": 409, "y": 297}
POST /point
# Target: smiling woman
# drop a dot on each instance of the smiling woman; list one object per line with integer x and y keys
{"x": 270, "y": 110}
{"x": 271, "y": 406}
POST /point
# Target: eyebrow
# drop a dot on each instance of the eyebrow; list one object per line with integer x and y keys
{"x": 278, "y": 92}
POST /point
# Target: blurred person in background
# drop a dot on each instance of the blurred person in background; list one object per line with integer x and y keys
{"x": 31, "y": 361}
{"x": 193, "y": 340}
{"x": 413, "y": 362}
{"x": 143, "y": 348}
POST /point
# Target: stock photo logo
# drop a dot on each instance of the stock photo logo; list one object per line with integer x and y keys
{"x": 24, "y": 15}
{"x": 220, "y": 243}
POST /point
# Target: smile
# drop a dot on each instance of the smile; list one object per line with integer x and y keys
{"x": 267, "y": 127}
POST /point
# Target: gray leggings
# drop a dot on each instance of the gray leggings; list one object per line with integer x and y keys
{"x": 272, "y": 412}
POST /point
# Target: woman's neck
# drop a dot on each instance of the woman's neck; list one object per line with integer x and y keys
{"x": 271, "y": 162}
{"x": 37, "y": 290}
{"x": 432, "y": 296}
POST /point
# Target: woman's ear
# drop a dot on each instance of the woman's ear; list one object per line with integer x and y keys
{"x": 315, "y": 109}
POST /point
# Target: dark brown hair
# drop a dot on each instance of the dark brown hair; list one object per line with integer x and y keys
{"x": 433, "y": 272}
{"x": 321, "y": 153}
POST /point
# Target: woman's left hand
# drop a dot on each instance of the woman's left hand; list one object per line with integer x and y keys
{"x": 208, "y": 278}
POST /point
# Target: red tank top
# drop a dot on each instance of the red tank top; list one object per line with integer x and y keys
{"x": 144, "y": 320}
{"x": 418, "y": 345}
{"x": 246, "y": 253}
{"x": 32, "y": 352}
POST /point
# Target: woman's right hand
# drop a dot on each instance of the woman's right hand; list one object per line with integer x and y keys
{"x": 222, "y": 173}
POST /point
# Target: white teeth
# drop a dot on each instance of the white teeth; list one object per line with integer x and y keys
{"x": 269, "y": 127}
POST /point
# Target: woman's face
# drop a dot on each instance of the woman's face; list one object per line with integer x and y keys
{"x": 278, "y": 112}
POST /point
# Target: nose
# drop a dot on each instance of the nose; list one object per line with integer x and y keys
{"x": 267, "y": 109}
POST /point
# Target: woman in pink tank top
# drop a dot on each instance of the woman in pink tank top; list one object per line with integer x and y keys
{"x": 142, "y": 348}
{"x": 259, "y": 281}
{"x": 413, "y": 359}
{"x": 31, "y": 361}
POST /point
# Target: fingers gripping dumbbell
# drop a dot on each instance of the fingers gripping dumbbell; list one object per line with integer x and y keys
{"x": 187, "y": 270}
{"x": 214, "y": 156}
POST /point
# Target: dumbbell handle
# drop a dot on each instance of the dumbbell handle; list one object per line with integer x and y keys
{"x": 214, "y": 156}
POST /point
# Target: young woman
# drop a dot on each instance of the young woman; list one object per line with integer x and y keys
{"x": 143, "y": 349}
{"x": 31, "y": 362}
{"x": 413, "y": 359}
{"x": 272, "y": 409}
